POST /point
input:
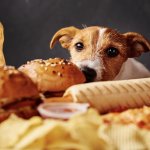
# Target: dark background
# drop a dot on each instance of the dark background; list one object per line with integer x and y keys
{"x": 30, "y": 24}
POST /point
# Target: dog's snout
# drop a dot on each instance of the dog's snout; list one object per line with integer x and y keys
{"x": 89, "y": 73}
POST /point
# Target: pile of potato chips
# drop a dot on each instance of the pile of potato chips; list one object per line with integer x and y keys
{"x": 82, "y": 132}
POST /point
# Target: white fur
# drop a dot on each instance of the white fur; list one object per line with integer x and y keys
{"x": 100, "y": 37}
{"x": 101, "y": 32}
{"x": 96, "y": 64}
{"x": 132, "y": 69}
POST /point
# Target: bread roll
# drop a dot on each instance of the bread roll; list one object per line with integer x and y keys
{"x": 14, "y": 85}
{"x": 53, "y": 74}
{"x": 111, "y": 95}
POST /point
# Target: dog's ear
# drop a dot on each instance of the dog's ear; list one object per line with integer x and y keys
{"x": 64, "y": 35}
{"x": 137, "y": 44}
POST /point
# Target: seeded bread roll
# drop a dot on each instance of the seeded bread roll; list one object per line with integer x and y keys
{"x": 14, "y": 85}
{"x": 54, "y": 74}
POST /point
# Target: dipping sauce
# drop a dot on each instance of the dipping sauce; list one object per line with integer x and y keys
{"x": 61, "y": 110}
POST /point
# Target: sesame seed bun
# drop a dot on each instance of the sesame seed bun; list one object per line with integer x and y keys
{"x": 15, "y": 85}
{"x": 54, "y": 74}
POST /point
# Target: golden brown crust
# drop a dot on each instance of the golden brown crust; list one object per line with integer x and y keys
{"x": 15, "y": 85}
{"x": 53, "y": 74}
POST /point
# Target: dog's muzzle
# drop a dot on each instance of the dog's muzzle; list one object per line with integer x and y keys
{"x": 89, "y": 73}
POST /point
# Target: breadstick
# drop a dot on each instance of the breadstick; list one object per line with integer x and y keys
{"x": 2, "y": 59}
{"x": 111, "y": 95}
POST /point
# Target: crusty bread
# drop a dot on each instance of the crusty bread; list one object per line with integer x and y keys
{"x": 111, "y": 95}
{"x": 14, "y": 85}
{"x": 54, "y": 74}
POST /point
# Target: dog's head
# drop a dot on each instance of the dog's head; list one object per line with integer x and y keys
{"x": 100, "y": 52}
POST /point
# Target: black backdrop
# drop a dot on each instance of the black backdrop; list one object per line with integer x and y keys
{"x": 30, "y": 24}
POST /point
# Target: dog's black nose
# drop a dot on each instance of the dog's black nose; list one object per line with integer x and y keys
{"x": 89, "y": 73}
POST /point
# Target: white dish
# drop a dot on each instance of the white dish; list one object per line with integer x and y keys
{"x": 61, "y": 110}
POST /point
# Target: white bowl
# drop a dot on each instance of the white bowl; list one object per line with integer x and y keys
{"x": 61, "y": 110}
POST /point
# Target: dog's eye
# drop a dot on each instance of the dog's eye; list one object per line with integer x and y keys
{"x": 112, "y": 52}
{"x": 79, "y": 46}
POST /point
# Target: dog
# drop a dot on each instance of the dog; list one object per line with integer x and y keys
{"x": 104, "y": 54}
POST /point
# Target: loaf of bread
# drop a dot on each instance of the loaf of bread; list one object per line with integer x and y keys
{"x": 112, "y": 95}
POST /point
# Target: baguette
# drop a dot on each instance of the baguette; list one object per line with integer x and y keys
{"x": 112, "y": 95}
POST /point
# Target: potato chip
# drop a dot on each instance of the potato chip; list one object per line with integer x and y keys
{"x": 85, "y": 131}
{"x": 51, "y": 139}
{"x": 14, "y": 128}
{"x": 145, "y": 137}
{"x": 67, "y": 145}
{"x": 126, "y": 137}
{"x": 36, "y": 133}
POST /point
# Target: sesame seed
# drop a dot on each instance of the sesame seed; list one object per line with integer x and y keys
{"x": 47, "y": 64}
{"x": 13, "y": 72}
{"x": 59, "y": 74}
{"x": 60, "y": 62}
{"x": 53, "y": 65}
{"x": 41, "y": 61}
{"x": 42, "y": 65}
{"x": 9, "y": 67}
